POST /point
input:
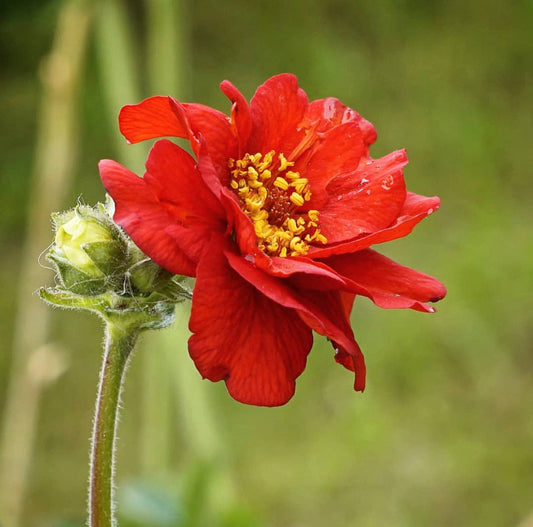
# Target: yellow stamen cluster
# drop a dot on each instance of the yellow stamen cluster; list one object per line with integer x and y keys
{"x": 270, "y": 195}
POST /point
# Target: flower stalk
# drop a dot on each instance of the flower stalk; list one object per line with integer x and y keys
{"x": 119, "y": 345}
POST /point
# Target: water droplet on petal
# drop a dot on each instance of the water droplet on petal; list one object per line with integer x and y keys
{"x": 387, "y": 182}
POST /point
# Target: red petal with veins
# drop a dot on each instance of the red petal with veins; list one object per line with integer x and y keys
{"x": 341, "y": 356}
{"x": 164, "y": 116}
{"x": 212, "y": 129}
{"x": 365, "y": 201}
{"x": 139, "y": 212}
{"x": 414, "y": 210}
{"x": 169, "y": 213}
{"x": 304, "y": 273}
{"x": 237, "y": 221}
{"x": 173, "y": 176}
{"x": 149, "y": 119}
{"x": 333, "y": 155}
{"x": 256, "y": 345}
{"x": 388, "y": 284}
{"x": 331, "y": 112}
{"x": 332, "y": 306}
{"x": 241, "y": 117}
{"x": 322, "y": 311}
{"x": 277, "y": 107}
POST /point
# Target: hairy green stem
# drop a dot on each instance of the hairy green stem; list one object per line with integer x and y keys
{"x": 119, "y": 344}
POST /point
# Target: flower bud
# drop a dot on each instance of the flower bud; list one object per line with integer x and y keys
{"x": 73, "y": 235}
{"x": 88, "y": 250}
{"x": 100, "y": 269}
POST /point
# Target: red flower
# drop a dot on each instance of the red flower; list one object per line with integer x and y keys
{"x": 274, "y": 218}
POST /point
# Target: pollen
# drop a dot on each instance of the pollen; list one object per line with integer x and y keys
{"x": 281, "y": 183}
{"x": 297, "y": 199}
{"x": 273, "y": 197}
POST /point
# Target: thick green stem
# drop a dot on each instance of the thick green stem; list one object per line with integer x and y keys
{"x": 118, "y": 347}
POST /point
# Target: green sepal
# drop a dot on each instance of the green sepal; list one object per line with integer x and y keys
{"x": 108, "y": 256}
{"x": 74, "y": 279}
{"x": 146, "y": 275}
{"x": 176, "y": 289}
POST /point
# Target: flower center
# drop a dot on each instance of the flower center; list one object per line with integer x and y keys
{"x": 271, "y": 195}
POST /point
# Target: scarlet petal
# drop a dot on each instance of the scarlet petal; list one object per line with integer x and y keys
{"x": 277, "y": 107}
{"x": 237, "y": 220}
{"x": 414, "y": 210}
{"x": 333, "y": 155}
{"x": 241, "y": 117}
{"x": 170, "y": 213}
{"x": 331, "y": 112}
{"x": 164, "y": 116}
{"x": 324, "y": 312}
{"x": 333, "y": 307}
{"x": 174, "y": 178}
{"x": 365, "y": 201}
{"x": 387, "y": 283}
{"x": 139, "y": 212}
{"x": 210, "y": 128}
{"x": 303, "y": 272}
{"x": 149, "y": 119}
{"x": 244, "y": 230}
{"x": 257, "y": 346}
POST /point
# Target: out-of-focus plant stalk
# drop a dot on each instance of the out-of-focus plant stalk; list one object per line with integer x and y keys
{"x": 202, "y": 436}
{"x": 35, "y": 361}
{"x": 168, "y": 58}
{"x": 166, "y": 75}
{"x": 527, "y": 522}
{"x": 117, "y": 56}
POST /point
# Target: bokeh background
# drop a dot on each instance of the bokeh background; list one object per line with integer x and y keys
{"x": 443, "y": 434}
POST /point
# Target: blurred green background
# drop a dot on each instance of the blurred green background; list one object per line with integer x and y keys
{"x": 443, "y": 434}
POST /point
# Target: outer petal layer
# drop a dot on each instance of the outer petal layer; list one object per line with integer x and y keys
{"x": 324, "y": 312}
{"x": 139, "y": 213}
{"x": 164, "y": 116}
{"x": 414, "y": 210}
{"x": 169, "y": 214}
{"x": 277, "y": 107}
{"x": 334, "y": 304}
{"x": 365, "y": 201}
{"x": 387, "y": 283}
{"x": 332, "y": 155}
{"x": 150, "y": 118}
{"x": 331, "y": 112}
{"x": 173, "y": 176}
{"x": 257, "y": 346}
